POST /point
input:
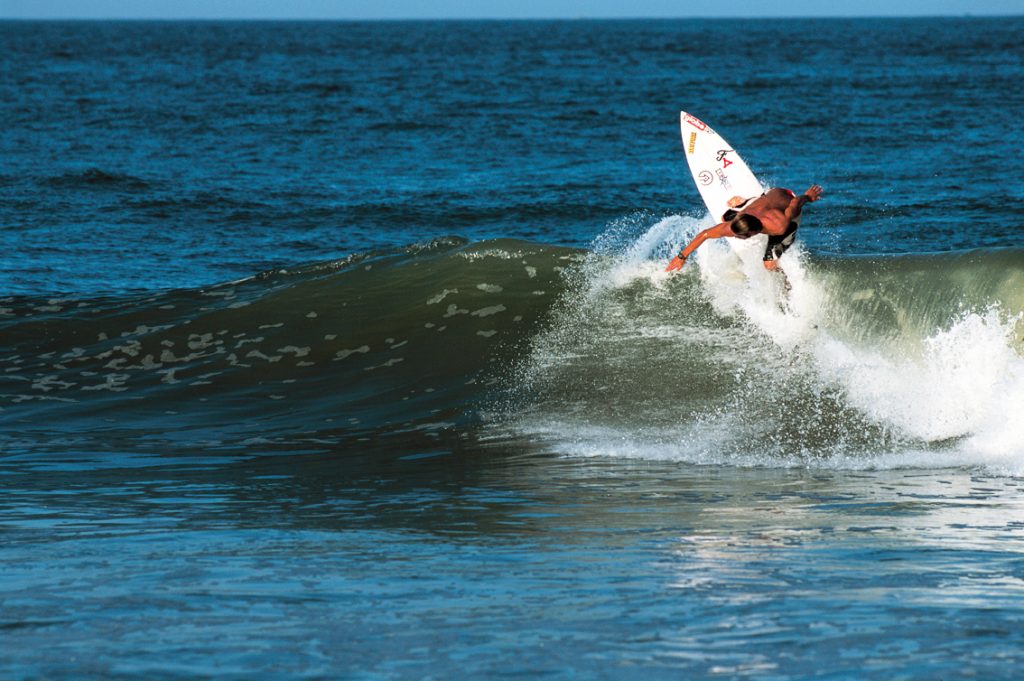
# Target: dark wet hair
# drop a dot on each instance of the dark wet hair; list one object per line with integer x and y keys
{"x": 746, "y": 226}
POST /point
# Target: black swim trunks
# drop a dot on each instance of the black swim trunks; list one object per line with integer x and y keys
{"x": 779, "y": 244}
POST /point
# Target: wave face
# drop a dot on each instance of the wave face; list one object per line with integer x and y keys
{"x": 866, "y": 362}
{"x": 378, "y": 343}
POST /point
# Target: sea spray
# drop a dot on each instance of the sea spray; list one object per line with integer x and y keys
{"x": 862, "y": 363}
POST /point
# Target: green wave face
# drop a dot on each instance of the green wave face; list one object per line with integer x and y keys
{"x": 374, "y": 343}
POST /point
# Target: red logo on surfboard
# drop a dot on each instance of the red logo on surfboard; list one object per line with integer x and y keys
{"x": 695, "y": 122}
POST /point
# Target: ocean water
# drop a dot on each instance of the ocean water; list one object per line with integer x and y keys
{"x": 344, "y": 350}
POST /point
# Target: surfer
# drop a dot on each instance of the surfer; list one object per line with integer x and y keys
{"x": 775, "y": 213}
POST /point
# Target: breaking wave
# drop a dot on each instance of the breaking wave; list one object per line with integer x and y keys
{"x": 881, "y": 361}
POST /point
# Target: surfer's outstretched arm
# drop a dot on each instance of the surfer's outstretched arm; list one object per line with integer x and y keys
{"x": 812, "y": 194}
{"x": 717, "y": 232}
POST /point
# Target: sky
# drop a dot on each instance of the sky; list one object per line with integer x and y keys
{"x": 490, "y": 9}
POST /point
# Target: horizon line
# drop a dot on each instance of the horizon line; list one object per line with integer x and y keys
{"x": 961, "y": 15}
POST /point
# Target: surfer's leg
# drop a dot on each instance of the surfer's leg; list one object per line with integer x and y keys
{"x": 773, "y": 265}
{"x": 777, "y": 245}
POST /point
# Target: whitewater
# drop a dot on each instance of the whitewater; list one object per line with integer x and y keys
{"x": 868, "y": 362}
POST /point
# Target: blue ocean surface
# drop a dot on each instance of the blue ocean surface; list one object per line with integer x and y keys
{"x": 345, "y": 350}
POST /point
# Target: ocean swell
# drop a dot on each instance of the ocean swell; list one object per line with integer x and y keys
{"x": 371, "y": 344}
{"x": 866, "y": 362}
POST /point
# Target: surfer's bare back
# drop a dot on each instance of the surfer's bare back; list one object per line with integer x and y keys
{"x": 775, "y": 213}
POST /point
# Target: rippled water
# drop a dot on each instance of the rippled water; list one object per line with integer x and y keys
{"x": 183, "y": 154}
{"x": 498, "y": 560}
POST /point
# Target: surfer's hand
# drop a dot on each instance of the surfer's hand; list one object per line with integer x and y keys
{"x": 676, "y": 264}
{"x": 813, "y": 193}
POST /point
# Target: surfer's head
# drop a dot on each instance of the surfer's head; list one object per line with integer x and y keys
{"x": 746, "y": 226}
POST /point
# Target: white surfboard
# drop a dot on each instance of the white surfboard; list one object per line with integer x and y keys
{"x": 718, "y": 171}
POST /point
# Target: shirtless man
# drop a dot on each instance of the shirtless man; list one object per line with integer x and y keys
{"x": 775, "y": 213}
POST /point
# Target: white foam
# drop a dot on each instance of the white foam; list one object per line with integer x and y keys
{"x": 962, "y": 381}
{"x": 949, "y": 398}
{"x": 639, "y": 258}
{"x": 716, "y": 443}
{"x": 736, "y": 282}
{"x": 967, "y": 382}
